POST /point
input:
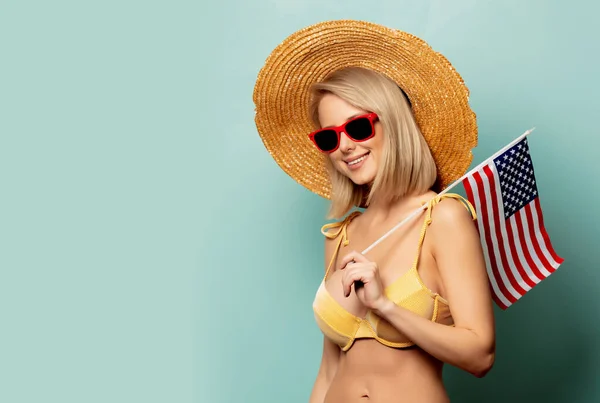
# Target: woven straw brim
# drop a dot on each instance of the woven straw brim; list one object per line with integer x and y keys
{"x": 436, "y": 91}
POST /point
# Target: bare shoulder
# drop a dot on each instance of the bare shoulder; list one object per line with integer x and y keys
{"x": 455, "y": 244}
{"x": 451, "y": 219}
{"x": 450, "y": 215}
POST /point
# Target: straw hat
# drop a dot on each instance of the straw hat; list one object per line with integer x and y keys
{"x": 436, "y": 91}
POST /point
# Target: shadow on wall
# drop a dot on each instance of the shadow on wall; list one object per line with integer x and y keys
{"x": 543, "y": 349}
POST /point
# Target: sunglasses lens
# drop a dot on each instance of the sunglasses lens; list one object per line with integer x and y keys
{"x": 359, "y": 129}
{"x": 326, "y": 140}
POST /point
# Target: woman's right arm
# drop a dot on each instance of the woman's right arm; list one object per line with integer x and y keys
{"x": 327, "y": 369}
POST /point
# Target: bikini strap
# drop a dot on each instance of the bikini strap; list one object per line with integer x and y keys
{"x": 428, "y": 210}
{"x": 340, "y": 228}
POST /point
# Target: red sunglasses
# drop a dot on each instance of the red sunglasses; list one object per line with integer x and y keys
{"x": 360, "y": 128}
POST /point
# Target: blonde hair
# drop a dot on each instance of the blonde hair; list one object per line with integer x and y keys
{"x": 407, "y": 164}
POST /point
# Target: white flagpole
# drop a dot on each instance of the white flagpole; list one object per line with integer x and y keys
{"x": 456, "y": 182}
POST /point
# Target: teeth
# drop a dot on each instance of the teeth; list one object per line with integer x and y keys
{"x": 356, "y": 161}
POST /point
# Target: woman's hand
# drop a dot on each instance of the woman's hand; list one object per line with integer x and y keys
{"x": 356, "y": 267}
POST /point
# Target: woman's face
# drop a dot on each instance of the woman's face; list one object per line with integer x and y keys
{"x": 356, "y": 160}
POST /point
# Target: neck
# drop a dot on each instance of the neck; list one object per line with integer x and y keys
{"x": 381, "y": 210}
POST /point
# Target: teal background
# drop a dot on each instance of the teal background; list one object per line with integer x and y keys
{"x": 152, "y": 251}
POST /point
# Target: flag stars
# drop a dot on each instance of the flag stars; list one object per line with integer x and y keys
{"x": 517, "y": 186}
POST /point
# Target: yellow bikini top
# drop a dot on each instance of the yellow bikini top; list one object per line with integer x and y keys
{"x": 407, "y": 291}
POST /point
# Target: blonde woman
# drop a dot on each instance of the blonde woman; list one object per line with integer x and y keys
{"x": 380, "y": 134}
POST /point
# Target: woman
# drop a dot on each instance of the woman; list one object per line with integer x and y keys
{"x": 388, "y": 131}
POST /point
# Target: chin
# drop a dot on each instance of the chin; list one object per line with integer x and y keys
{"x": 362, "y": 182}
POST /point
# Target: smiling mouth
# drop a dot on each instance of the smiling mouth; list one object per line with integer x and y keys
{"x": 357, "y": 160}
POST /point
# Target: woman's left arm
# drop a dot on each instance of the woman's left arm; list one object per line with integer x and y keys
{"x": 456, "y": 247}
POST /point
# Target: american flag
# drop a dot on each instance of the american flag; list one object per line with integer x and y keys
{"x": 517, "y": 249}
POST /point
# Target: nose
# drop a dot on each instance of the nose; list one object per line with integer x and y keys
{"x": 346, "y": 144}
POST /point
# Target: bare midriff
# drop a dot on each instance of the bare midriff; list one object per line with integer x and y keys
{"x": 372, "y": 372}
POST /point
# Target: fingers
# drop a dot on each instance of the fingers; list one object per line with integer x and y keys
{"x": 347, "y": 281}
{"x": 353, "y": 256}
{"x": 356, "y": 272}
{"x": 356, "y": 267}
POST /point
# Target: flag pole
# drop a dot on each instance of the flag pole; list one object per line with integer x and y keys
{"x": 417, "y": 211}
